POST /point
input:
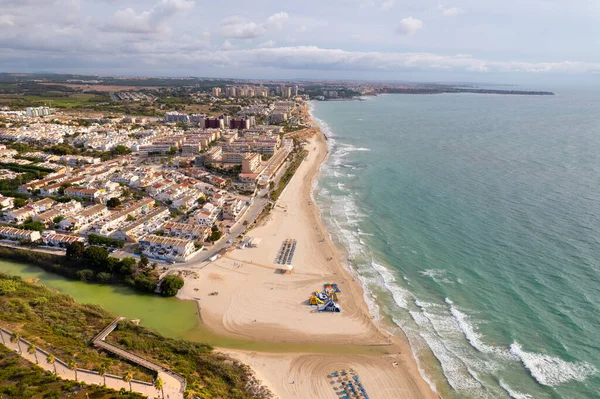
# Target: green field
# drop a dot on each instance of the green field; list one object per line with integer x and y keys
{"x": 54, "y": 99}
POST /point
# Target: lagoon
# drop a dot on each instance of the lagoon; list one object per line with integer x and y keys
{"x": 170, "y": 317}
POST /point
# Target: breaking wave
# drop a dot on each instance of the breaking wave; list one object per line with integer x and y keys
{"x": 550, "y": 370}
{"x": 512, "y": 393}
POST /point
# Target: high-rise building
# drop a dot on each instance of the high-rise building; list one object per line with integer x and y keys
{"x": 295, "y": 90}
{"x": 38, "y": 111}
{"x": 231, "y": 92}
{"x": 216, "y": 91}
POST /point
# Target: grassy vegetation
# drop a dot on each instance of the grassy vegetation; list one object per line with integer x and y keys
{"x": 297, "y": 158}
{"x": 59, "y": 325}
{"x": 95, "y": 239}
{"x": 54, "y": 99}
{"x": 65, "y": 328}
{"x": 20, "y": 379}
{"x": 208, "y": 375}
{"x": 9, "y": 187}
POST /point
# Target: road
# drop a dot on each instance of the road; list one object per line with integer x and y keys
{"x": 250, "y": 216}
{"x": 239, "y": 228}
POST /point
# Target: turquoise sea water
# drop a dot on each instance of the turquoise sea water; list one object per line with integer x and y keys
{"x": 474, "y": 222}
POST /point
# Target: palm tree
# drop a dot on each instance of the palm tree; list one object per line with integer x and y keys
{"x": 127, "y": 378}
{"x": 158, "y": 384}
{"x": 73, "y": 366}
{"x": 102, "y": 372}
{"x": 50, "y": 360}
{"x": 32, "y": 350}
{"x": 16, "y": 337}
{"x": 188, "y": 394}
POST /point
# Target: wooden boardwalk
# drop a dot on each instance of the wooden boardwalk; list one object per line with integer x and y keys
{"x": 61, "y": 369}
{"x": 173, "y": 383}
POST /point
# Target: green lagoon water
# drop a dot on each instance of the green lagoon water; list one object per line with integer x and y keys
{"x": 168, "y": 316}
{"x": 474, "y": 224}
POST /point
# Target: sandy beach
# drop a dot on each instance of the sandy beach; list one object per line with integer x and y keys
{"x": 256, "y": 302}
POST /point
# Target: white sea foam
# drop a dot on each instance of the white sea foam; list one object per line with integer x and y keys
{"x": 400, "y": 295}
{"x": 426, "y": 305}
{"x": 419, "y": 318}
{"x": 350, "y": 148}
{"x": 370, "y": 299}
{"x": 475, "y": 376}
{"x": 453, "y": 368}
{"x": 474, "y": 337}
{"x": 421, "y": 371}
{"x": 437, "y": 275}
{"x": 512, "y": 393}
{"x": 362, "y": 233}
{"x": 550, "y": 370}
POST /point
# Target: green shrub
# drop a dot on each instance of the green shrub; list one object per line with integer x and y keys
{"x": 170, "y": 285}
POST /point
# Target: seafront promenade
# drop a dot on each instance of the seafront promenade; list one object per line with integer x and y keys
{"x": 173, "y": 384}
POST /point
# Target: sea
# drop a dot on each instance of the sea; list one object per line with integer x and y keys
{"x": 473, "y": 222}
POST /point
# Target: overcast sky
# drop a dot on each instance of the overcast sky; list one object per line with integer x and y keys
{"x": 470, "y": 40}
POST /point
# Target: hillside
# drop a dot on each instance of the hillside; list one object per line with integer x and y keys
{"x": 65, "y": 328}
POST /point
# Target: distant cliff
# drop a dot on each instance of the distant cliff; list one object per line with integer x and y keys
{"x": 441, "y": 90}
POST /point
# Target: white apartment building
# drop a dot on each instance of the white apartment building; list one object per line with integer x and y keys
{"x": 10, "y": 233}
{"x": 187, "y": 231}
{"x": 167, "y": 248}
{"x": 88, "y": 194}
{"x": 207, "y": 216}
{"x": 53, "y": 239}
{"x": 84, "y": 218}
{"x": 145, "y": 224}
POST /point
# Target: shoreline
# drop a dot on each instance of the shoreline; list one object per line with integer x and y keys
{"x": 256, "y": 303}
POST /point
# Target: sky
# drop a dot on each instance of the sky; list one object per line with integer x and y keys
{"x": 426, "y": 40}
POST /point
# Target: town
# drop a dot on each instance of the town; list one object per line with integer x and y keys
{"x": 171, "y": 189}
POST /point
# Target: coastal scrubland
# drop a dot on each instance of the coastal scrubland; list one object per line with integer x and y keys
{"x": 61, "y": 326}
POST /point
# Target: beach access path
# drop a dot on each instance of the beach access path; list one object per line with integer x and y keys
{"x": 61, "y": 369}
{"x": 173, "y": 384}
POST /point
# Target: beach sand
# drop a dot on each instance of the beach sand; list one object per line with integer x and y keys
{"x": 256, "y": 302}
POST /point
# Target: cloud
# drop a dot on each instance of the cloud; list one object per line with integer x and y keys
{"x": 228, "y": 45}
{"x": 196, "y": 42}
{"x": 409, "y": 26}
{"x": 267, "y": 44}
{"x": 450, "y": 12}
{"x": 388, "y": 5}
{"x": 240, "y": 28}
{"x": 315, "y": 58}
{"x": 149, "y": 21}
{"x": 278, "y": 20}
{"x": 6, "y": 20}
{"x": 185, "y": 54}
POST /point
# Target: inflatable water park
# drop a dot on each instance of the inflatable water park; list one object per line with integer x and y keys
{"x": 326, "y": 299}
